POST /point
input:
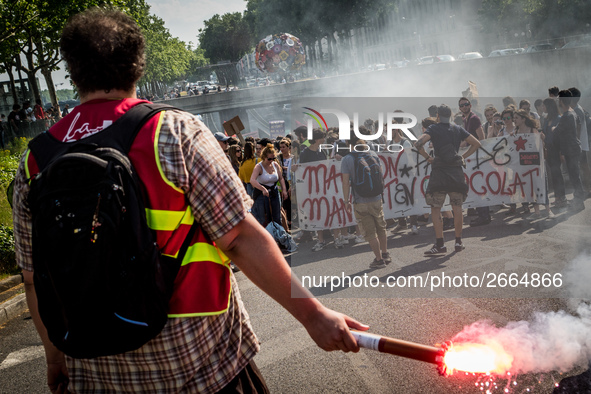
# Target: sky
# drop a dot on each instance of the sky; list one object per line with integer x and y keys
{"x": 183, "y": 18}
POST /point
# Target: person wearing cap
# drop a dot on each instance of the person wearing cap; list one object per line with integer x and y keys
{"x": 447, "y": 174}
{"x": 223, "y": 141}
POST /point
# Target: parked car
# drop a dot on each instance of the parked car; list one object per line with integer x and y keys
{"x": 505, "y": 52}
{"x": 426, "y": 60}
{"x": 584, "y": 41}
{"x": 379, "y": 67}
{"x": 470, "y": 55}
{"x": 539, "y": 48}
{"x": 400, "y": 63}
{"x": 444, "y": 58}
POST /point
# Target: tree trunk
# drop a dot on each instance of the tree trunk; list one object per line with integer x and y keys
{"x": 329, "y": 49}
{"x": 34, "y": 86}
{"x": 8, "y": 68}
{"x": 51, "y": 89}
{"x": 312, "y": 57}
{"x": 24, "y": 89}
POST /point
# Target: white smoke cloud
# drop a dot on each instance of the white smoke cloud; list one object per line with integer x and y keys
{"x": 550, "y": 341}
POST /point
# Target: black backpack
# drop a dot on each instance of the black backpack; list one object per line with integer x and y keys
{"x": 368, "y": 180}
{"x": 102, "y": 285}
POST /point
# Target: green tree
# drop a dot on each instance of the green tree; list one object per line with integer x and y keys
{"x": 312, "y": 20}
{"x": 226, "y": 38}
{"x": 199, "y": 68}
{"x": 168, "y": 59}
{"x": 539, "y": 19}
{"x": 38, "y": 39}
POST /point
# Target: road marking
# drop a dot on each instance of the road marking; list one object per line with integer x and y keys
{"x": 22, "y": 356}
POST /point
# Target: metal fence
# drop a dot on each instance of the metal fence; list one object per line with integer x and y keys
{"x": 24, "y": 129}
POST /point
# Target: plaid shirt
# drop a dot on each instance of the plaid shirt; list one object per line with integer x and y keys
{"x": 200, "y": 354}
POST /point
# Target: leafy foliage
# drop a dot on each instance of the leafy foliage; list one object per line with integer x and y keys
{"x": 7, "y": 255}
{"x": 539, "y": 19}
{"x": 226, "y": 37}
{"x": 9, "y": 159}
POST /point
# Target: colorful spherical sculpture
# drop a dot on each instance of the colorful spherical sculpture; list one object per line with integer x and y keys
{"x": 280, "y": 52}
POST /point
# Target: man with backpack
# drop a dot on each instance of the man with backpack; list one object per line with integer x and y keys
{"x": 361, "y": 171}
{"x": 447, "y": 174}
{"x": 194, "y": 206}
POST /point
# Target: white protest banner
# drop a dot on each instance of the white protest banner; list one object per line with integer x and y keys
{"x": 504, "y": 170}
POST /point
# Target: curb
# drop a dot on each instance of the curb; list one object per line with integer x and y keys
{"x": 12, "y": 307}
{"x": 10, "y": 282}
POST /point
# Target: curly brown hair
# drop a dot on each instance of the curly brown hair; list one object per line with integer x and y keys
{"x": 103, "y": 49}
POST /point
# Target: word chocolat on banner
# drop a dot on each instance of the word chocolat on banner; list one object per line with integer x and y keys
{"x": 504, "y": 170}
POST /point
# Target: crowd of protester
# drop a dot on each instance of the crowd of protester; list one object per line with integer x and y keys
{"x": 27, "y": 120}
{"x": 266, "y": 167}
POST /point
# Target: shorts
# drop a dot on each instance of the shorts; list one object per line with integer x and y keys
{"x": 436, "y": 200}
{"x": 370, "y": 217}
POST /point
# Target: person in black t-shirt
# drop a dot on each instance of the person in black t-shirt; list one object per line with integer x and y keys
{"x": 447, "y": 174}
{"x": 565, "y": 136}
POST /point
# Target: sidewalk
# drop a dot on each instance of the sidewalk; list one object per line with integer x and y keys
{"x": 12, "y": 298}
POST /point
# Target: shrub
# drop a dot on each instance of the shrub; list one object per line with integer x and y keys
{"x": 9, "y": 159}
{"x": 7, "y": 255}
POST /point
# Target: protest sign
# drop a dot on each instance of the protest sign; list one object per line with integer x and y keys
{"x": 503, "y": 170}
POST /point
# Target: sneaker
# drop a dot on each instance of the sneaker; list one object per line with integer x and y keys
{"x": 480, "y": 221}
{"x": 349, "y": 237}
{"x": 398, "y": 229}
{"x": 339, "y": 242}
{"x": 359, "y": 239}
{"x": 414, "y": 230}
{"x": 436, "y": 250}
{"x": 533, "y": 216}
{"x": 319, "y": 246}
{"x": 303, "y": 236}
{"x": 550, "y": 215}
{"x": 377, "y": 264}
{"x": 459, "y": 247}
{"x": 386, "y": 258}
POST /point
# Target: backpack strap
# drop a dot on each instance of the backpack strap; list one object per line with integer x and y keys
{"x": 120, "y": 135}
{"x": 126, "y": 128}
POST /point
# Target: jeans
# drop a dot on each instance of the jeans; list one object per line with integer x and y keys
{"x": 261, "y": 211}
{"x": 249, "y": 189}
{"x": 556, "y": 175}
{"x": 572, "y": 165}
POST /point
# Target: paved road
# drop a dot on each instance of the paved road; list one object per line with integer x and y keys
{"x": 291, "y": 362}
